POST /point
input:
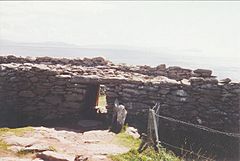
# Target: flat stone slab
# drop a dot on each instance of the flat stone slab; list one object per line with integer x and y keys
{"x": 54, "y": 144}
{"x": 53, "y": 156}
{"x": 37, "y": 148}
{"x": 20, "y": 141}
{"x": 15, "y": 159}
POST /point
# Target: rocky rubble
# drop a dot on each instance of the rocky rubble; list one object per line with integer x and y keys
{"x": 107, "y": 67}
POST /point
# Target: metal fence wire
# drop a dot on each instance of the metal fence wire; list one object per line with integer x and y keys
{"x": 236, "y": 135}
{"x": 153, "y": 124}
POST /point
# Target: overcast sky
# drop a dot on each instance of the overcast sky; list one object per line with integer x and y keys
{"x": 209, "y": 28}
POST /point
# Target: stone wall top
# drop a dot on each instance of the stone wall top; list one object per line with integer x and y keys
{"x": 100, "y": 70}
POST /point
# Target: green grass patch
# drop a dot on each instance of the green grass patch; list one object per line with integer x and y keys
{"x": 102, "y": 101}
{"x": 133, "y": 155}
{"x": 15, "y": 131}
{"x": 126, "y": 140}
{"x": 148, "y": 155}
{"x": 3, "y": 145}
{"x": 52, "y": 148}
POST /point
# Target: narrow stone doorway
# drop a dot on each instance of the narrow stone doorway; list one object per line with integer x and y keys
{"x": 95, "y": 114}
{"x": 91, "y": 99}
{"x": 101, "y": 100}
{"x": 95, "y": 100}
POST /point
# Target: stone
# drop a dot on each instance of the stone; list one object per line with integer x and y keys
{"x": 37, "y": 159}
{"x": 133, "y": 91}
{"x": 196, "y": 80}
{"x": 185, "y": 82}
{"x": 29, "y": 94}
{"x": 40, "y": 91}
{"x": 54, "y": 100}
{"x": 161, "y": 67}
{"x": 73, "y": 97}
{"x": 180, "y": 92}
{"x": 64, "y": 76}
{"x": 14, "y": 79}
{"x": 118, "y": 118}
{"x": 225, "y": 81}
{"x": 20, "y": 141}
{"x": 211, "y": 80}
{"x": 40, "y": 147}
{"x": 80, "y": 158}
{"x": 73, "y": 105}
{"x": 34, "y": 79}
{"x": 203, "y": 72}
{"x": 64, "y": 60}
{"x": 163, "y": 91}
{"x": 15, "y": 159}
{"x": 133, "y": 132}
{"x": 54, "y": 156}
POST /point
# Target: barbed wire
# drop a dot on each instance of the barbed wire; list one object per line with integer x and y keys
{"x": 199, "y": 126}
{"x": 188, "y": 151}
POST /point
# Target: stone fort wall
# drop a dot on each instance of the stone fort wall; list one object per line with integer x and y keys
{"x": 43, "y": 84}
{"x": 45, "y": 89}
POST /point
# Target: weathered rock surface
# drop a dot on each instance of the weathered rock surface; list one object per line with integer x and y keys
{"x": 133, "y": 132}
{"x": 56, "y": 144}
{"x": 16, "y": 159}
{"x": 20, "y": 141}
{"x": 53, "y": 156}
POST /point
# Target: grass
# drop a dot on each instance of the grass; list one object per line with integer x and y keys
{"x": 3, "y": 145}
{"x": 133, "y": 155}
{"x": 126, "y": 140}
{"x": 52, "y": 148}
{"x": 148, "y": 155}
{"x": 15, "y": 131}
{"x": 102, "y": 101}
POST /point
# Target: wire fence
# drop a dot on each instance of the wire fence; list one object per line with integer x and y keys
{"x": 153, "y": 124}
{"x": 236, "y": 135}
{"x": 187, "y": 151}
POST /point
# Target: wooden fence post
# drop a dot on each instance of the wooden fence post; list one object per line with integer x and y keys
{"x": 155, "y": 126}
{"x": 151, "y": 139}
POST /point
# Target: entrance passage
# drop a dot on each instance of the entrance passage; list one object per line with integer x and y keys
{"x": 102, "y": 100}
{"x": 95, "y": 100}
{"x": 92, "y": 95}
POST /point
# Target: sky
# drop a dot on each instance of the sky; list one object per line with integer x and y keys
{"x": 202, "y": 28}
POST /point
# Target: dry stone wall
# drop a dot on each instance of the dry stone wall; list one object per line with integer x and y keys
{"x": 206, "y": 103}
{"x": 45, "y": 89}
{"x": 38, "y": 95}
{"x": 50, "y": 88}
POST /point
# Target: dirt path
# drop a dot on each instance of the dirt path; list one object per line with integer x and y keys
{"x": 95, "y": 144}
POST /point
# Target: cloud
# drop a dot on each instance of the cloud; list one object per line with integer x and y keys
{"x": 212, "y": 28}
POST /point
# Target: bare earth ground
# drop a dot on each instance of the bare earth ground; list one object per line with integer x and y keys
{"x": 61, "y": 143}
